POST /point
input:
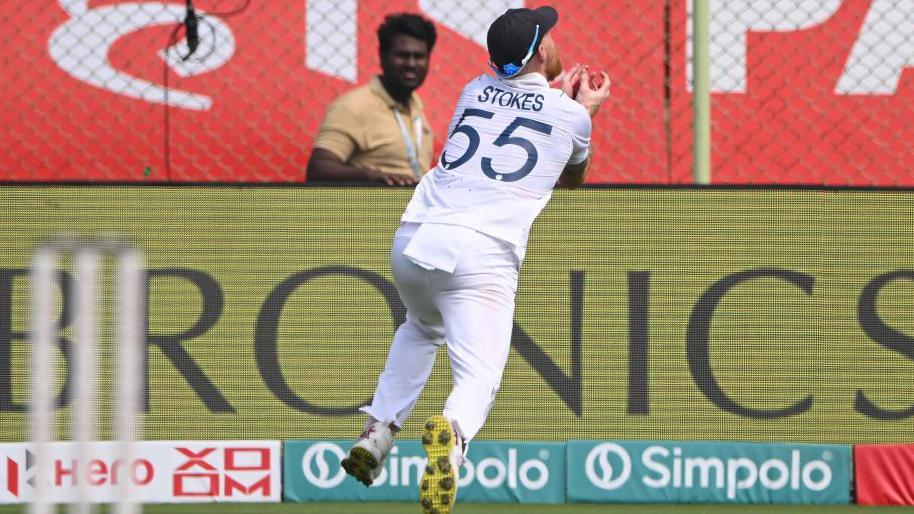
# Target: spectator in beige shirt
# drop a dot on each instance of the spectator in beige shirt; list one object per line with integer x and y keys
{"x": 378, "y": 131}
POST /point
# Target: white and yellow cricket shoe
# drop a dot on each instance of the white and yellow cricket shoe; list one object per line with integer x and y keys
{"x": 366, "y": 457}
{"x": 438, "y": 488}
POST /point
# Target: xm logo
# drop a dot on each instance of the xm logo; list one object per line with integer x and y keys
{"x": 316, "y": 469}
{"x": 606, "y": 477}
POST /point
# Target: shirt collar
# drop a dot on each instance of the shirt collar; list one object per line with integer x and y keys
{"x": 415, "y": 103}
{"x": 527, "y": 81}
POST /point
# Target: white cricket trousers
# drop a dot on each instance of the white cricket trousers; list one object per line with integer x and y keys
{"x": 472, "y": 309}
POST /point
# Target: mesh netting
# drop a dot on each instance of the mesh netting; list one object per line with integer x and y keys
{"x": 804, "y": 92}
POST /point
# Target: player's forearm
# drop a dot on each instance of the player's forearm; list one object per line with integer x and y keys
{"x": 575, "y": 174}
{"x": 327, "y": 168}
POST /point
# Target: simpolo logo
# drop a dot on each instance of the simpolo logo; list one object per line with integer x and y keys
{"x": 703, "y": 472}
{"x": 492, "y": 473}
{"x": 404, "y": 469}
{"x": 605, "y": 479}
{"x": 315, "y": 456}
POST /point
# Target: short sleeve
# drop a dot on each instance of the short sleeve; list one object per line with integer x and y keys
{"x": 580, "y": 138}
{"x": 335, "y": 134}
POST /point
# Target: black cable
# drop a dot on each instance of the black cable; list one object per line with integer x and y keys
{"x": 172, "y": 41}
{"x": 191, "y": 29}
{"x": 213, "y": 37}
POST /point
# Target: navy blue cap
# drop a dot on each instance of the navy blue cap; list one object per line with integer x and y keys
{"x": 515, "y": 36}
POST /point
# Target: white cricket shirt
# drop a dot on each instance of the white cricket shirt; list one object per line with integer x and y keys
{"x": 507, "y": 145}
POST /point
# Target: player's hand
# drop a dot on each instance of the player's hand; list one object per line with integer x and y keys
{"x": 391, "y": 179}
{"x": 592, "y": 98}
{"x": 569, "y": 79}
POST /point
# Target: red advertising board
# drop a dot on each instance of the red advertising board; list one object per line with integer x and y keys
{"x": 85, "y": 87}
{"x": 884, "y": 474}
{"x": 805, "y": 93}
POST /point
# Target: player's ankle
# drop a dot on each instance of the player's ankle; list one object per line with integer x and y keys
{"x": 460, "y": 442}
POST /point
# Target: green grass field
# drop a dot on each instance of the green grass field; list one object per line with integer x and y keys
{"x": 477, "y": 508}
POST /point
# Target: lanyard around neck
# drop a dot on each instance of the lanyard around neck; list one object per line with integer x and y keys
{"x": 412, "y": 151}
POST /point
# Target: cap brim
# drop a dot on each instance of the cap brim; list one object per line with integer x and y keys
{"x": 547, "y": 17}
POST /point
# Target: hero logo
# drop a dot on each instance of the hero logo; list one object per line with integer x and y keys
{"x": 733, "y": 474}
{"x": 14, "y": 470}
{"x": 99, "y": 471}
{"x": 605, "y": 480}
{"x": 247, "y": 471}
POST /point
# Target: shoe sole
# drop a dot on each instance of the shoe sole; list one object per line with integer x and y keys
{"x": 359, "y": 465}
{"x": 438, "y": 487}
